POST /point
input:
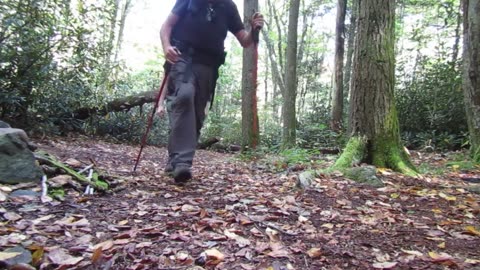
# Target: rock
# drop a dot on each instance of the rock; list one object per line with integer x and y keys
{"x": 19, "y": 256}
{"x": 24, "y": 193}
{"x": 366, "y": 175}
{"x": 4, "y": 125}
{"x": 22, "y": 266}
{"x": 305, "y": 179}
{"x": 17, "y": 162}
{"x": 3, "y": 196}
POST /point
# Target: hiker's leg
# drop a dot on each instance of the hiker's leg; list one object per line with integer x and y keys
{"x": 181, "y": 110}
{"x": 205, "y": 80}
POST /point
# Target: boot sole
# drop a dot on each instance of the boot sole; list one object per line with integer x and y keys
{"x": 183, "y": 176}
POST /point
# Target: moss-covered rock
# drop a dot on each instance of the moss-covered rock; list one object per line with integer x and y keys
{"x": 365, "y": 174}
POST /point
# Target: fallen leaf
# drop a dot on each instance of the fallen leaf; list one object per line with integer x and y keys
{"x": 471, "y": 261}
{"x": 37, "y": 255}
{"x": 106, "y": 245}
{"x": 190, "y": 208}
{"x": 182, "y": 256}
{"x": 385, "y": 265}
{"x": 446, "y": 197}
{"x": 241, "y": 241}
{"x": 123, "y": 222}
{"x": 11, "y": 216}
{"x": 472, "y": 231}
{"x": 328, "y": 226}
{"x": 214, "y": 254}
{"x": 61, "y": 257}
{"x": 261, "y": 247}
{"x": 73, "y": 163}
{"x": 394, "y": 195}
{"x": 413, "y": 252}
{"x": 278, "y": 250}
{"x": 97, "y": 255}
{"x": 272, "y": 234}
{"x": 60, "y": 181}
{"x": 8, "y": 255}
{"x": 314, "y": 253}
{"x": 302, "y": 219}
{"x": 144, "y": 245}
{"x": 40, "y": 220}
{"x": 439, "y": 257}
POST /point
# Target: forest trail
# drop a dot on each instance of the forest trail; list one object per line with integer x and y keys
{"x": 235, "y": 215}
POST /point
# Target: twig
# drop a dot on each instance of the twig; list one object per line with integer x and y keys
{"x": 306, "y": 262}
{"x": 85, "y": 169}
{"x": 265, "y": 224}
{"x": 90, "y": 175}
{"x": 44, "y": 186}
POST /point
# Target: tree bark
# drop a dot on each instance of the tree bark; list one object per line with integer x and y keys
{"x": 456, "y": 45}
{"x": 374, "y": 129}
{"x": 350, "y": 44}
{"x": 289, "y": 102}
{"x": 471, "y": 72}
{"x": 337, "y": 102}
{"x": 250, "y": 123}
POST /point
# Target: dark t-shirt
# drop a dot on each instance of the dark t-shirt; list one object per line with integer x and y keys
{"x": 194, "y": 28}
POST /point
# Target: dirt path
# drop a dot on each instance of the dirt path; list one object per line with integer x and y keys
{"x": 236, "y": 216}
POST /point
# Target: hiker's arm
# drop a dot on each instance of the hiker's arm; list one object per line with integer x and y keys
{"x": 161, "y": 107}
{"x": 246, "y": 38}
{"x": 171, "y": 53}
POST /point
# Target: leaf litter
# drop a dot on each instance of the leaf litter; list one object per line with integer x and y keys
{"x": 234, "y": 215}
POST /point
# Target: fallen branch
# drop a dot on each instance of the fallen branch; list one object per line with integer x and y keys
{"x": 45, "y": 158}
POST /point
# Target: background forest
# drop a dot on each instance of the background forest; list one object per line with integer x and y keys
{"x": 64, "y": 68}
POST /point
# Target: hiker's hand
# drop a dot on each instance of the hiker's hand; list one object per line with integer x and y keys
{"x": 172, "y": 54}
{"x": 160, "y": 110}
{"x": 257, "y": 21}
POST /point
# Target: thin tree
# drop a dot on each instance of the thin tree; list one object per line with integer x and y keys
{"x": 373, "y": 128}
{"x": 250, "y": 128}
{"x": 337, "y": 102}
{"x": 471, "y": 72}
{"x": 289, "y": 101}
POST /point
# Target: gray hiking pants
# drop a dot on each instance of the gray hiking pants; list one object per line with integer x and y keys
{"x": 190, "y": 88}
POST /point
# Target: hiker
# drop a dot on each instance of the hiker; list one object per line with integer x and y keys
{"x": 193, "y": 43}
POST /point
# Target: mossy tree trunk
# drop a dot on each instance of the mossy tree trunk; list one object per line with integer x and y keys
{"x": 374, "y": 129}
{"x": 471, "y": 72}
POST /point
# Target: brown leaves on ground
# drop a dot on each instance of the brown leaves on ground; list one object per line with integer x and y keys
{"x": 234, "y": 215}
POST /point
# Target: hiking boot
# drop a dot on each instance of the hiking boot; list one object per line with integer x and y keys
{"x": 182, "y": 174}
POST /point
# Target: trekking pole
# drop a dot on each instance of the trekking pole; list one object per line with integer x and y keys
{"x": 150, "y": 120}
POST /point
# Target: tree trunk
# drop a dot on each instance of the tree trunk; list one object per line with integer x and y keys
{"x": 123, "y": 18}
{"x": 350, "y": 44}
{"x": 456, "y": 45}
{"x": 250, "y": 125}
{"x": 471, "y": 72}
{"x": 289, "y": 102}
{"x": 374, "y": 130}
{"x": 337, "y": 102}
